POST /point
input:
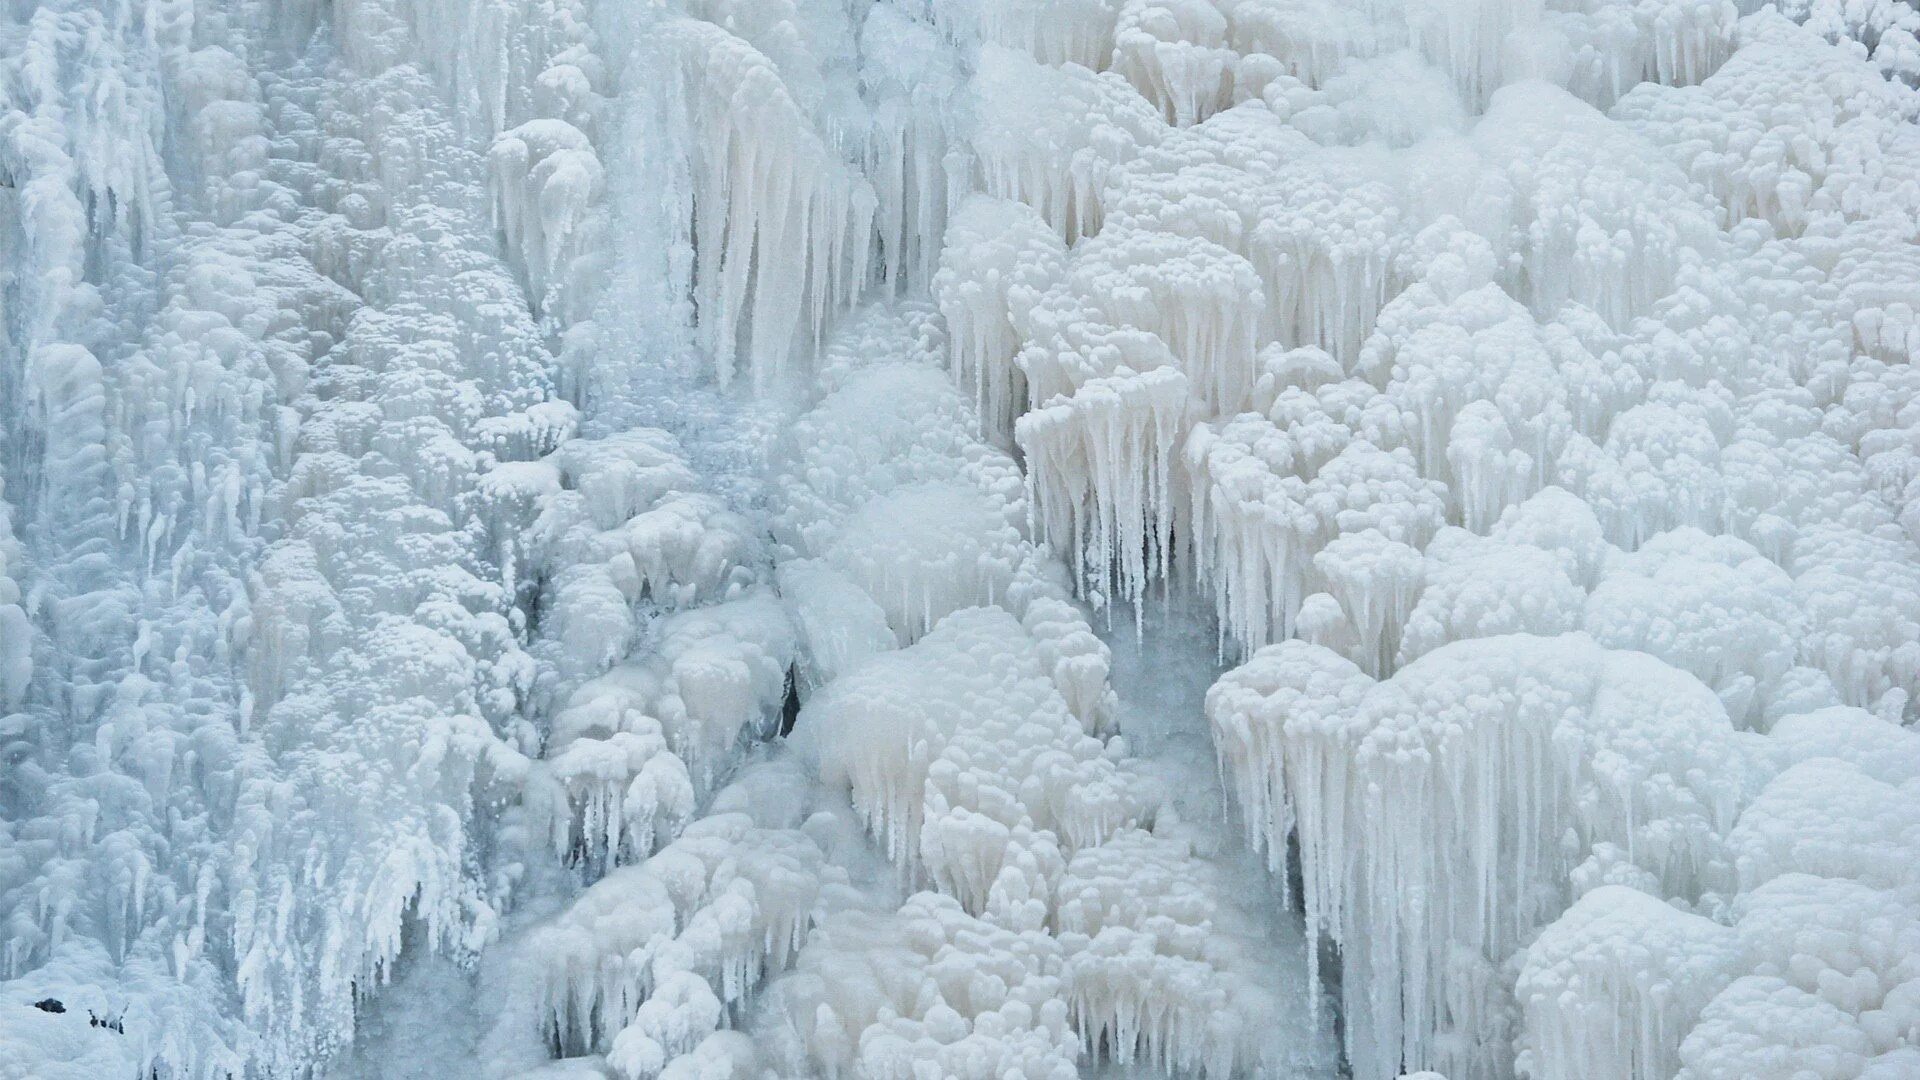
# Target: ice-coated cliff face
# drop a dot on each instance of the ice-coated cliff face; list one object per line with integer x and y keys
{"x": 990, "y": 539}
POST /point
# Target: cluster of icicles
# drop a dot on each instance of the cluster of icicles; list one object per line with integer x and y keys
{"x": 1555, "y": 447}
{"x": 1528, "y": 384}
{"x": 1558, "y": 450}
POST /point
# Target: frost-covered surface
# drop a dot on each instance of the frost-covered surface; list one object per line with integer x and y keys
{"x": 581, "y": 539}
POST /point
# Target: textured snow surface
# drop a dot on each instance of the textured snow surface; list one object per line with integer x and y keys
{"x": 577, "y": 540}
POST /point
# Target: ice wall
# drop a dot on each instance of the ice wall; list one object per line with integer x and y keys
{"x": 621, "y": 497}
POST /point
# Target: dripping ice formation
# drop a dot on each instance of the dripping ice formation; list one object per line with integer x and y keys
{"x": 960, "y": 538}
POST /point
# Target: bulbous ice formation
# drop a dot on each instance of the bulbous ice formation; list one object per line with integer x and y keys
{"x": 999, "y": 255}
{"x": 1458, "y": 778}
{"x": 780, "y": 226}
{"x": 456, "y": 501}
{"x": 1643, "y": 969}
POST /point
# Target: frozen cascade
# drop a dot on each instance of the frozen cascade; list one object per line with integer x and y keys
{"x": 780, "y": 224}
{"x": 1645, "y": 968}
{"x": 998, "y": 793}
{"x": 1483, "y": 773}
{"x": 998, "y": 256}
{"x": 959, "y": 538}
{"x": 1101, "y": 467}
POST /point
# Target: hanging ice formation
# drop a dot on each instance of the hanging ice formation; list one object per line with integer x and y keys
{"x": 608, "y": 507}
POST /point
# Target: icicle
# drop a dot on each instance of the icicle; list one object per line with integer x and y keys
{"x": 1266, "y": 500}
{"x": 1376, "y": 581}
{"x": 1176, "y": 55}
{"x": 913, "y": 142}
{"x": 547, "y": 180}
{"x": 1049, "y": 137}
{"x": 1053, "y": 32}
{"x": 1101, "y": 464}
{"x": 1613, "y": 985}
{"x": 999, "y": 255}
{"x": 1426, "y": 806}
{"x": 1468, "y": 40}
{"x": 781, "y": 224}
{"x": 1323, "y": 244}
{"x": 953, "y": 776}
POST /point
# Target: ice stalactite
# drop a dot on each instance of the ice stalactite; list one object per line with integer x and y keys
{"x": 1054, "y": 33}
{"x": 926, "y": 550}
{"x": 1049, "y": 136}
{"x": 1615, "y": 47}
{"x": 1283, "y": 688}
{"x": 1398, "y": 99}
{"x": 1843, "y": 943}
{"x": 1313, "y": 39}
{"x": 423, "y": 695}
{"x": 1684, "y": 41}
{"x": 1469, "y": 41}
{"x": 548, "y": 181}
{"x": 624, "y": 792}
{"x": 1655, "y": 599}
{"x": 673, "y": 715}
{"x": 922, "y": 769}
{"x": 998, "y": 257}
{"x": 631, "y": 552}
{"x": 1760, "y": 1022}
{"x": 1658, "y": 468}
{"x": 968, "y": 754}
{"x": 958, "y": 784}
{"x": 1852, "y": 129}
{"x": 959, "y": 531}
{"x": 893, "y": 433}
{"x": 915, "y": 145}
{"x": 781, "y": 225}
{"x": 1541, "y": 369}
{"x": 1860, "y": 634}
{"x": 1267, "y": 498}
{"x": 1324, "y": 245}
{"x": 1159, "y": 967}
{"x": 1602, "y": 221}
{"x": 1878, "y": 419}
{"x": 1889, "y": 29}
{"x": 1111, "y": 409}
{"x": 1391, "y": 603}
{"x": 668, "y": 654}
{"x": 1100, "y": 452}
{"x": 1827, "y": 817}
{"x": 648, "y": 963}
{"x": 1177, "y": 55}
{"x": 881, "y": 423}
{"x": 1322, "y": 234}
{"x": 83, "y": 107}
{"x": 1486, "y": 391}
{"x": 1877, "y": 294}
{"x": 499, "y": 64}
{"x": 1104, "y": 479}
{"x": 1555, "y": 272}
{"x": 1596, "y": 49}
{"x": 154, "y": 340}
{"x": 1376, "y": 581}
{"x": 988, "y": 1001}
{"x": 1802, "y": 969}
{"x": 1200, "y": 299}
{"x": 1591, "y": 747}
{"x": 1637, "y": 972}
{"x": 1479, "y": 588}
{"x": 16, "y": 631}
{"x": 837, "y": 624}
{"x": 1489, "y": 471}
{"x": 622, "y": 513}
